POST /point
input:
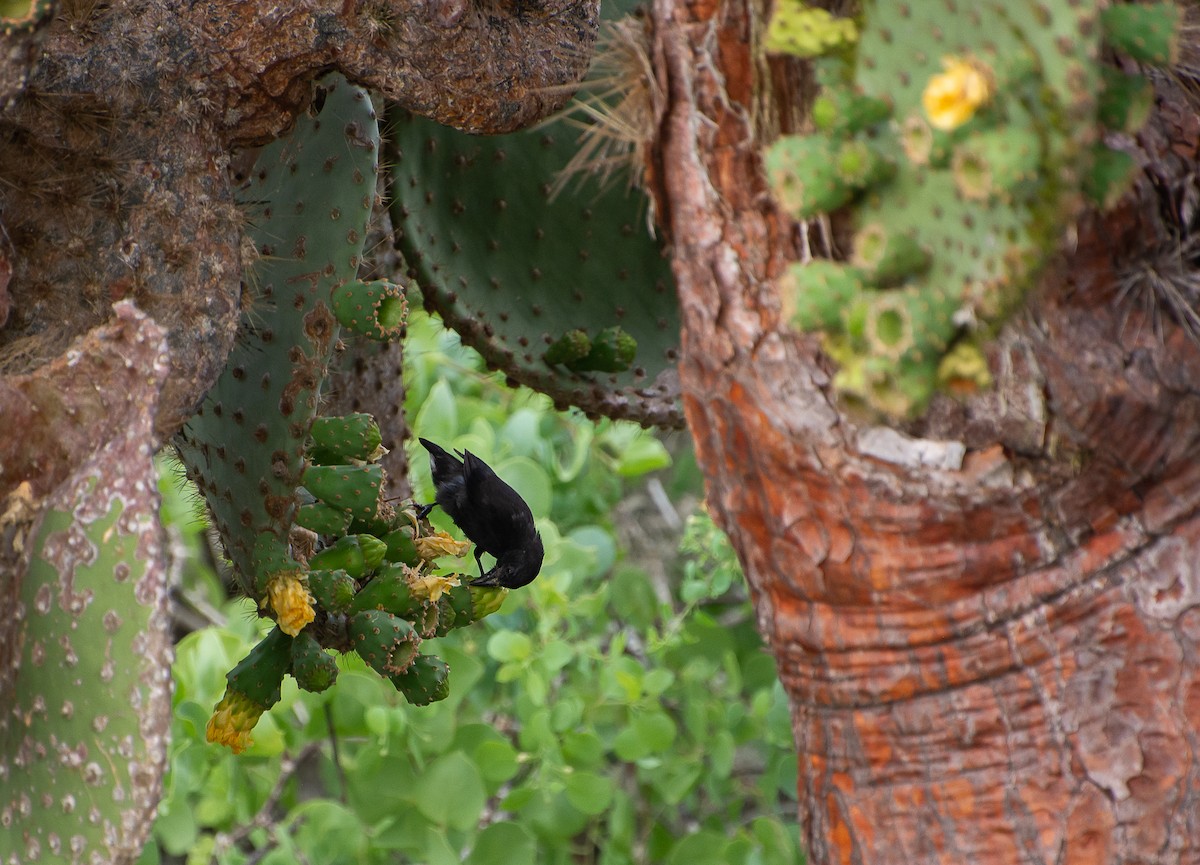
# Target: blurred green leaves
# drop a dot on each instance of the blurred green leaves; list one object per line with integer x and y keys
{"x": 598, "y": 717}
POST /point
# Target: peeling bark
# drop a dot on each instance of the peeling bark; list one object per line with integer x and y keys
{"x": 992, "y": 660}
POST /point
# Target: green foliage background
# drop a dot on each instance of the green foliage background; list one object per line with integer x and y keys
{"x": 592, "y": 719}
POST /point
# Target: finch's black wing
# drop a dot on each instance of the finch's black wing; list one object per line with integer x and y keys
{"x": 504, "y": 520}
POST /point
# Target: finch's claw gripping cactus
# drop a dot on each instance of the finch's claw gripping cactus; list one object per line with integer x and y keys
{"x": 957, "y": 145}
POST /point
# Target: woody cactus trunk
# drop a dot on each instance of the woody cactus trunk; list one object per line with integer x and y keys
{"x": 985, "y": 614}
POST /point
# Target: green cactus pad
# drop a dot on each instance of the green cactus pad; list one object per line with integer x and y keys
{"x": 313, "y": 668}
{"x": 1147, "y": 33}
{"x": 85, "y": 685}
{"x": 308, "y": 202}
{"x": 259, "y": 674}
{"x": 387, "y": 643}
{"x": 323, "y": 519}
{"x": 341, "y": 439}
{"x": 425, "y": 682}
{"x": 992, "y": 139}
{"x": 512, "y": 271}
{"x": 401, "y": 546}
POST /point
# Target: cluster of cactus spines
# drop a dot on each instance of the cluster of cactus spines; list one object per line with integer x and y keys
{"x": 959, "y": 148}
{"x": 85, "y": 685}
{"x": 298, "y": 499}
{"x": 515, "y": 269}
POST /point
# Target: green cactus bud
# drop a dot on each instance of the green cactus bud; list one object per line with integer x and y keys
{"x": 426, "y": 681}
{"x": 612, "y": 350}
{"x": 333, "y": 590}
{"x": 357, "y": 555}
{"x": 323, "y": 519}
{"x": 388, "y": 590}
{"x": 1001, "y": 163}
{"x": 375, "y": 309}
{"x": 342, "y": 439}
{"x": 816, "y": 174}
{"x": 888, "y": 257}
{"x": 845, "y": 113}
{"x": 387, "y": 643}
{"x": 401, "y": 546}
{"x": 1147, "y": 33}
{"x": 313, "y": 668}
{"x": 447, "y": 617}
{"x": 804, "y": 31}
{"x": 259, "y": 674}
{"x": 571, "y": 346}
{"x": 271, "y": 556}
{"x": 353, "y": 488}
{"x": 472, "y": 603}
{"x": 816, "y": 294}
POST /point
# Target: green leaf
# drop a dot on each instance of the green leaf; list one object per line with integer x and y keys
{"x": 583, "y": 750}
{"x": 509, "y": 646}
{"x": 699, "y": 848}
{"x": 451, "y": 792}
{"x": 503, "y": 844}
{"x": 497, "y": 761}
{"x": 530, "y": 480}
{"x": 588, "y": 792}
{"x": 641, "y": 455}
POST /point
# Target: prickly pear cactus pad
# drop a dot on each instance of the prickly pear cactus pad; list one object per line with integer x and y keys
{"x": 965, "y": 137}
{"x": 514, "y": 271}
{"x": 309, "y": 202}
{"x": 85, "y": 683}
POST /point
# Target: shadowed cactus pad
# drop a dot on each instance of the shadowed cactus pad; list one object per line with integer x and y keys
{"x": 513, "y": 271}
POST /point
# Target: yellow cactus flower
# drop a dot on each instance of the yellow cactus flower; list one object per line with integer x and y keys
{"x": 432, "y": 587}
{"x": 290, "y": 600}
{"x": 440, "y": 544}
{"x": 232, "y": 720}
{"x": 952, "y": 97}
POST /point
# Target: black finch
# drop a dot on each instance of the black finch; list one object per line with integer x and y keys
{"x": 490, "y": 513}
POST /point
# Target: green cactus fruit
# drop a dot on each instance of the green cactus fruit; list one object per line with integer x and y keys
{"x": 259, "y": 674}
{"x": 472, "y": 603}
{"x": 313, "y": 668}
{"x": 447, "y": 617}
{"x": 17, "y": 16}
{"x": 848, "y": 112}
{"x": 375, "y": 309}
{"x": 357, "y": 555}
{"x": 387, "y": 643}
{"x": 964, "y": 369}
{"x": 813, "y": 174}
{"x": 805, "y": 31}
{"x": 342, "y": 439}
{"x": 334, "y": 590}
{"x": 268, "y": 558}
{"x": 323, "y": 519}
{"x": 425, "y": 682}
{"x": 86, "y": 637}
{"x": 816, "y": 294}
{"x": 1000, "y": 163}
{"x": 571, "y": 346}
{"x": 1147, "y": 33}
{"x": 511, "y": 267}
{"x": 887, "y": 258}
{"x": 308, "y": 202}
{"x": 388, "y": 590}
{"x": 613, "y": 350}
{"x": 401, "y": 546}
{"x": 355, "y": 489}
{"x": 1125, "y": 101}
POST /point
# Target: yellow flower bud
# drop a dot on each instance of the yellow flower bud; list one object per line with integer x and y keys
{"x": 290, "y": 600}
{"x": 232, "y": 720}
{"x": 952, "y": 97}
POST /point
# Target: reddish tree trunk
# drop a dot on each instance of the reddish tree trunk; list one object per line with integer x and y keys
{"x": 991, "y": 658}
